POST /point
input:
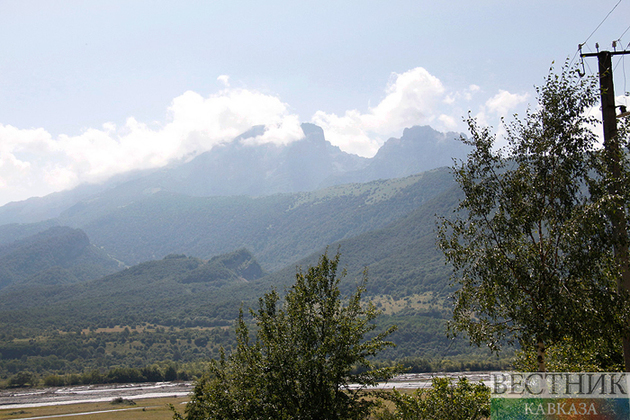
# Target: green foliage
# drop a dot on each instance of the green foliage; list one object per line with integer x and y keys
{"x": 168, "y": 292}
{"x": 402, "y": 258}
{"x": 153, "y": 354}
{"x": 530, "y": 264}
{"x": 22, "y": 379}
{"x": 598, "y": 355}
{"x": 443, "y": 401}
{"x": 192, "y": 301}
{"x": 186, "y": 293}
{"x": 300, "y": 363}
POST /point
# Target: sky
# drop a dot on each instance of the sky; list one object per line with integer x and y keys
{"x": 89, "y": 89}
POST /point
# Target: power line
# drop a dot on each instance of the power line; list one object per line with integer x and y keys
{"x": 624, "y": 32}
{"x": 579, "y": 51}
{"x": 602, "y": 22}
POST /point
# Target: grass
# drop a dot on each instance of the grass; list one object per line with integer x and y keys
{"x": 144, "y": 409}
{"x": 376, "y": 191}
{"x": 390, "y": 306}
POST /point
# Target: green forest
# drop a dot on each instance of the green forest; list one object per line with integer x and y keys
{"x": 178, "y": 311}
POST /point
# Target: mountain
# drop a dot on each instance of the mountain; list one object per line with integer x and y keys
{"x": 401, "y": 259}
{"x": 407, "y": 279}
{"x": 420, "y": 149}
{"x": 279, "y": 229}
{"x": 181, "y": 308}
{"x": 387, "y": 226}
{"x": 240, "y": 168}
{"x": 41, "y": 209}
{"x": 195, "y": 260}
{"x": 58, "y": 255}
{"x": 243, "y": 167}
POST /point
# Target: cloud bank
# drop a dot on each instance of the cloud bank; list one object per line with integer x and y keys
{"x": 34, "y": 163}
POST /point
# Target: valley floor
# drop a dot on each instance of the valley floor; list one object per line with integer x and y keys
{"x": 37, "y": 397}
{"x": 16, "y": 399}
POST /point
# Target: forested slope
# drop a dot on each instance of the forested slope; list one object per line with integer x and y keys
{"x": 59, "y": 255}
{"x": 385, "y": 226}
{"x": 277, "y": 229}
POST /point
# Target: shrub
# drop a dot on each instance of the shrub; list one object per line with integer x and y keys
{"x": 443, "y": 401}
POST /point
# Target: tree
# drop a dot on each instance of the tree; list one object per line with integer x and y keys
{"x": 22, "y": 379}
{"x": 299, "y": 364}
{"x": 530, "y": 242}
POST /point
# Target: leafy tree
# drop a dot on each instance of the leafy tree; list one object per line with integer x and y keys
{"x": 597, "y": 356}
{"x": 301, "y": 361}
{"x": 22, "y": 379}
{"x": 529, "y": 242}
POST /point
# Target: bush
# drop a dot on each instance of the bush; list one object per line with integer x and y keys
{"x": 23, "y": 379}
{"x": 443, "y": 401}
{"x": 54, "y": 380}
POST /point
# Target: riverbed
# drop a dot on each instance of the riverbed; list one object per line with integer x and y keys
{"x": 39, "y": 397}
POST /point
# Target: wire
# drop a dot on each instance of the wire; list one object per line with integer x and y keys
{"x": 623, "y": 65}
{"x": 624, "y": 32}
{"x": 589, "y": 67}
{"x": 602, "y": 22}
{"x": 622, "y": 60}
{"x": 595, "y": 30}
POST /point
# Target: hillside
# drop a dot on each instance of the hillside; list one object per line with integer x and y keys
{"x": 58, "y": 255}
{"x": 278, "y": 229}
{"x": 194, "y": 261}
{"x": 183, "y": 291}
{"x": 176, "y": 290}
{"x": 420, "y": 149}
{"x": 181, "y": 308}
{"x": 401, "y": 259}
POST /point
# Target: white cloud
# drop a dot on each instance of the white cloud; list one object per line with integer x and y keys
{"x": 499, "y": 106}
{"x": 411, "y": 99}
{"x": 504, "y": 101}
{"x": 448, "y": 122}
{"x": 33, "y": 163}
{"x": 224, "y": 79}
{"x": 464, "y": 96}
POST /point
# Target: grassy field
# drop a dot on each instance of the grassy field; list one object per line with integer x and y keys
{"x": 390, "y": 306}
{"x": 144, "y": 409}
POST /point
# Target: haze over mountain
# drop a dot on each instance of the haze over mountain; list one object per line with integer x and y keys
{"x": 385, "y": 225}
{"x": 242, "y": 167}
{"x": 406, "y": 274}
{"x": 197, "y": 240}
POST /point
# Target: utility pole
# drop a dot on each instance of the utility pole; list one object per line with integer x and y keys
{"x": 612, "y": 150}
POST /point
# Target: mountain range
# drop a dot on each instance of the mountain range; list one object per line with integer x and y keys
{"x": 185, "y": 246}
{"x": 243, "y": 168}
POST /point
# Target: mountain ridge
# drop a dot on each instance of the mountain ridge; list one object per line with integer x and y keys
{"x": 242, "y": 167}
